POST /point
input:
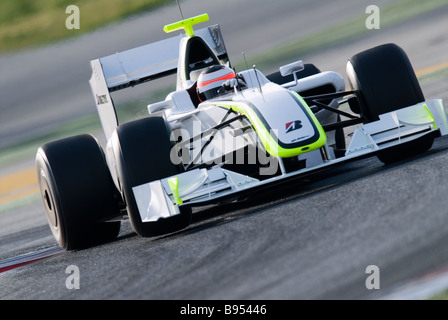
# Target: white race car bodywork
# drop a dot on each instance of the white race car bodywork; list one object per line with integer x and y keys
{"x": 211, "y": 185}
{"x": 268, "y": 116}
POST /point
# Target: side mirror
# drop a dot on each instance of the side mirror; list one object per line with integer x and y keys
{"x": 292, "y": 68}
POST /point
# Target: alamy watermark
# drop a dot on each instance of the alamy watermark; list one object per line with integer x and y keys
{"x": 73, "y": 280}
{"x": 73, "y": 21}
{"x": 373, "y": 280}
{"x": 225, "y": 145}
{"x": 373, "y": 20}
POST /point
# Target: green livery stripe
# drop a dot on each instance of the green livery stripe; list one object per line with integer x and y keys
{"x": 174, "y": 186}
{"x": 267, "y": 135}
{"x": 430, "y": 117}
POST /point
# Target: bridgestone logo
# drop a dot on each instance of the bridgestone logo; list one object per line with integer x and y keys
{"x": 294, "y": 125}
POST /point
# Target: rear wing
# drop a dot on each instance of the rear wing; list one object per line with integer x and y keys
{"x": 154, "y": 60}
{"x": 132, "y": 67}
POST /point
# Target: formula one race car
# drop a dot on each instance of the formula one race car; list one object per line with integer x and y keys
{"x": 223, "y": 135}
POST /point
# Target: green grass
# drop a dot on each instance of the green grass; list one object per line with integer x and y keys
{"x": 18, "y": 203}
{"x": 29, "y": 23}
{"x": 27, "y": 149}
{"x": 434, "y": 76}
{"x": 440, "y": 296}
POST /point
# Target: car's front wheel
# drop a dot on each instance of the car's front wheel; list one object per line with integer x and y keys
{"x": 385, "y": 81}
{"x": 142, "y": 152}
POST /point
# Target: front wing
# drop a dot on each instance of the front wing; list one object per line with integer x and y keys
{"x": 163, "y": 198}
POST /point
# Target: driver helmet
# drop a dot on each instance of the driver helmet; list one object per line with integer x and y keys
{"x": 211, "y": 80}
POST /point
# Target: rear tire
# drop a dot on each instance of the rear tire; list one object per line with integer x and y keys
{"x": 143, "y": 155}
{"x": 385, "y": 81}
{"x": 77, "y": 192}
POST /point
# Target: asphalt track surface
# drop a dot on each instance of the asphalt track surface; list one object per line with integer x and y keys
{"x": 309, "y": 239}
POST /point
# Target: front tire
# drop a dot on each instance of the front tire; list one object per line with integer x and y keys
{"x": 385, "y": 81}
{"x": 143, "y": 155}
{"x": 77, "y": 192}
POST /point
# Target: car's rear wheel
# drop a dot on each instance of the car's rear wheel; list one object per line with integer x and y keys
{"x": 77, "y": 192}
{"x": 385, "y": 81}
{"x": 143, "y": 155}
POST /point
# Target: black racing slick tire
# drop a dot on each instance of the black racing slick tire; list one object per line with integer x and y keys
{"x": 77, "y": 192}
{"x": 384, "y": 81}
{"x": 142, "y": 152}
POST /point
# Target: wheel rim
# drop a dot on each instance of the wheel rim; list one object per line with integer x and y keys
{"x": 48, "y": 200}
